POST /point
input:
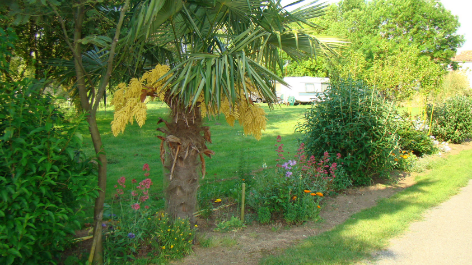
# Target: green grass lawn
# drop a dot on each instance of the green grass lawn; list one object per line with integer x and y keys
{"x": 236, "y": 155}
{"x": 370, "y": 230}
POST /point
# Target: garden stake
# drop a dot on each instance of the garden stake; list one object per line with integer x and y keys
{"x": 243, "y": 195}
{"x": 431, "y": 121}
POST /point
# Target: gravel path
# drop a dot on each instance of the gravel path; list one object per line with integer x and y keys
{"x": 443, "y": 237}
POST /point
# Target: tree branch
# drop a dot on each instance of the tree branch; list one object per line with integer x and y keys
{"x": 106, "y": 77}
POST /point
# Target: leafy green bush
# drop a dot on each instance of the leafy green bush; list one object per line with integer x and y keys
{"x": 414, "y": 139}
{"x": 452, "y": 120}
{"x": 44, "y": 176}
{"x": 356, "y": 122}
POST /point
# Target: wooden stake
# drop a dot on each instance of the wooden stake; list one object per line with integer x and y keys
{"x": 243, "y": 201}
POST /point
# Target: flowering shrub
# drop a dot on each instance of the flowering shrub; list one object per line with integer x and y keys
{"x": 172, "y": 239}
{"x": 295, "y": 188}
{"x": 135, "y": 228}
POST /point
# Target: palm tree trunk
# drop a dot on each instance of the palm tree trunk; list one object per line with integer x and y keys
{"x": 182, "y": 153}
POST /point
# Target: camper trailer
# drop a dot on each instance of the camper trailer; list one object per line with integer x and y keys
{"x": 302, "y": 89}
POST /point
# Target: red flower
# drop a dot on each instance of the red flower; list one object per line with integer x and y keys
{"x": 146, "y": 167}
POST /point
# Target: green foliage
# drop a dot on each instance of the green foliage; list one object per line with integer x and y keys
{"x": 414, "y": 139}
{"x": 44, "y": 176}
{"x": 309, "y": 67}
{"x": 452, "y": 120}
{"x": 355, "y": 122}
{"x": 400, "y": 72}
{"x": 233, "y": 224}
{"x": 454, "y": 83}
{"x": 263, "y": 215}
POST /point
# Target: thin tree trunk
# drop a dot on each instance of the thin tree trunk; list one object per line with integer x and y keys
{"x": 102, "y": 184}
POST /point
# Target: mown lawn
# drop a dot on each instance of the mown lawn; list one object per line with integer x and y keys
{"x": 236, "y": 155}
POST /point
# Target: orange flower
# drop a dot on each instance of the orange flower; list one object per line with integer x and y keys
{"x": 319, "y": 194}
{"x": 294, "y": 198}
{"x": 313, "y": 194}
{"x": 307, "y": 191}
{"x": 396, "y": 159}
{"x": 318, "y": 206}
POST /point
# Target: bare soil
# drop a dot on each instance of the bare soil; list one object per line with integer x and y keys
{"x": 249, "y": 245}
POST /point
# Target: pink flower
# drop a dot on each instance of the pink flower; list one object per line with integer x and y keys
{"x": 279, "y": 138}
{"x": 134, "y": 193}
{"x": 116, "y": 186}
{"x": 146, "y": 183}
{"x": 136, "y": 206}
{"x": 338, "y": 155}
{"x": 119, "y": 191}
{"x": 145, "y": 192}
{"x": 143, "y": 198}
{"x": 133, "y": 181}
{"x": 147, "y": 207}
{"x": 146, "y": 167}
{"x": 122, "y": 181}
{"x": 146, "y": 174}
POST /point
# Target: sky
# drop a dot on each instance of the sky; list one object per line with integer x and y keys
{"x": 460, "y": 8}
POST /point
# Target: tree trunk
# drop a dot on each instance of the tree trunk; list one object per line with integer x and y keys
{"x": 182, "y": 153}
{"x": 102, "y": 184}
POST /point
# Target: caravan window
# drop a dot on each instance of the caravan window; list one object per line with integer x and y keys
{"x": 324, "y": 87}
{"x": 309, "y": 87}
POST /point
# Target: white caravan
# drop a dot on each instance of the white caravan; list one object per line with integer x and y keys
{"x": 304, "y": 89}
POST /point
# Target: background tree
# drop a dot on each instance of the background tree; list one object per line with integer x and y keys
{"x": 420, "y": 33}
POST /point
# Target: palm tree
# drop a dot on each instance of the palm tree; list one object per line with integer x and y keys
{"x": 219, "y": 51}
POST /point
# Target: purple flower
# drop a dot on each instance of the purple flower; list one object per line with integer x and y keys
{"x": 104, "y": 225}
{"x": 292, "y": 162}
{"x": 288, "y": 174}
{"x": 131, "y": 235}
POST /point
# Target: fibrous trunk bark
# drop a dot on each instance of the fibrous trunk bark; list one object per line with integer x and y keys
{"x": 182, "y": 151}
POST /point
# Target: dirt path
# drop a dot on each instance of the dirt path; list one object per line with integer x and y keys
{"x": 252, "y": 243}
{"x": 443, "y": 237}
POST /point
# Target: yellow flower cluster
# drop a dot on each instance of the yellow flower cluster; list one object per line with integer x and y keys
{"x": 402, "y": 154}
{"x": 251, "y": 117}
{"x": 129, "y": 105}
{"x": 128, "y": 98}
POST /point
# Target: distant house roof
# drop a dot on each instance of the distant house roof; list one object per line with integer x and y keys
{"x": 465, "y": 56}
